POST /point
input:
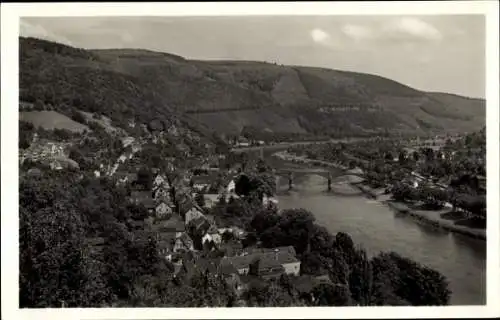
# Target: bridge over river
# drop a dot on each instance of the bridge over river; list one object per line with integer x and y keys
{"x": 329, "y": 174}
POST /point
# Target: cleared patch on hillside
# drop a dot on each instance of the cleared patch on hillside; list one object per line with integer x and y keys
{"x": 50, "y": 120}
{"x": 103, "y": 121}
{"x": 234, "y": 121}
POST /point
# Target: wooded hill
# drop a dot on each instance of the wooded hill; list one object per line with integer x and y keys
{"x": 227, "y": 96}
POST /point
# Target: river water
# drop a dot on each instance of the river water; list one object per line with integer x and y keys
{"x": 377, "y": 228}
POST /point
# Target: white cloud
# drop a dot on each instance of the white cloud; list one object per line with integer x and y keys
{"x": 414, "y": 27}
{"x": 127, "y": 37}
{"x": 319, "y": 36}
{"x": 356, "y": 32}
{"x": 37, "y": 31}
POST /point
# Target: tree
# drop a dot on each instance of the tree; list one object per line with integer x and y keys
{"x": 405, "y": 280}
{"x": 243, "y": 185}
{"x": 403, "y": 192}
{"x": 403, "y": 156}
{"x": 200, "y": 199}
{"x": 264, "y": 220}
{"x": 52, "y": 265}
{"x": 361, "y": 278}
{"x": 331, "y": 295}
{"x": 26, "y": 132}
{"x": 137, "y": 212}
{"x": 145, "y": 178}
{"x": 78, "y": 116}
{"x": 295, "y": 228}
{"x": 313, "y": 263}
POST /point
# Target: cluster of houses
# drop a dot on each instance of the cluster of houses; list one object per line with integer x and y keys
{"x": 53, "y": 154}
{"x": 241, "y": 267}
{"x": 183, "y": 231}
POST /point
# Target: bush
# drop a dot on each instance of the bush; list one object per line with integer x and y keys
{"x": 78, "y": 117}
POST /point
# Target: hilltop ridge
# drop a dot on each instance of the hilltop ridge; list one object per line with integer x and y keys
{"x": 228, "y": 96}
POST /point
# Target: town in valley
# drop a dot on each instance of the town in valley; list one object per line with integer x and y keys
{"x": 151, "y": 180}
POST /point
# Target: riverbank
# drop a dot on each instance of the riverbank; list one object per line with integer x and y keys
{"x": 435, "y": 218}
{"x": 431, "y": 217}
{"x": 356, "y": 188}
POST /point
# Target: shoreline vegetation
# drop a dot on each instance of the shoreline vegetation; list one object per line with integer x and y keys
{"x": 430, "y": 217}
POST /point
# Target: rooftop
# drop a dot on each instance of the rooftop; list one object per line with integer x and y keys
{"x": 268, "y": 258}
{"x": 174, "y": 224}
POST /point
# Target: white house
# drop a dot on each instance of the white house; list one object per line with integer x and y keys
{"x": 163, "y": 210}
{"x": 159, "y": 180}
{"x": 161, "y": 193}
{"x": 183, "y": 243}
{"x": 207, "y": 238}
{"x": 122, "y": 158}
{"x": 192, "y": 214}
{"x": 231, "y": 187}
{"x": 291, "y": 266}
{"x": 127, "y": 141}
{"x": 212, "y": 235}
{"x": 268, "y": 200}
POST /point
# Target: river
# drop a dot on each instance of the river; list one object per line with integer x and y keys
{"x": 377, "y": 228}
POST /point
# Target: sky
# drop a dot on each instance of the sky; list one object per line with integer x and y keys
{"x": 444, "y": 53}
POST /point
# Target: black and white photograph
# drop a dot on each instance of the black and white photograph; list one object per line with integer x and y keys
{"x": 255, "y": 161}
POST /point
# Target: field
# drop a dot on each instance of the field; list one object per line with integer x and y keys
{"x": 50, "y": 120}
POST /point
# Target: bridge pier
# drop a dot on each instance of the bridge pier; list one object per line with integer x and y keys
{"x": 329, "y": 181}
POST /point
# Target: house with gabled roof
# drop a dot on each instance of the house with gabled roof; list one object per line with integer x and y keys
{"x": 174, "y": 226}
{"x": 192, "y": 213}
{"x": 184, "y": 243}
{"x": 213, "y": 235}
{"x": 123, "y": 178}
{"x": 163, "y": 210}
{"x": 162, "y": 193}
{"x": 267, "y": 263}
{"x": 266, "y": 267}
{"x": 160, "y": 180}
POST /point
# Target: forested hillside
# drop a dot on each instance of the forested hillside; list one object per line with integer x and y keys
{"x": 227, "y": 96}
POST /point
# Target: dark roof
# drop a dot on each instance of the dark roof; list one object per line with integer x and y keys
{"x": 143, "y": 235}
{"x": 210, "y": 265}
{"x": 96, "y": 241}
{"x": 304, "y": 283}
{"x": 267, "y": 259}
{"x": 289, "y": 249}
{"x": 34, "y": 172}
{"x": 205, "y": 179}
{"x": 136, "y": 223}
{"x": 238, "y": 262}
{"x": 268, "y": 263}
{"x": 185, "y": 239}
{"x": 212, "y": 229}
{"x": 200, "y": 224}
{"x": 165, "y": 244}
{"x": 129, "y": 176}
{"x": 140, "y": 194}
{"x": 322, "y": 279}
{"x": 166, "y": 236}
{"x": 174, "y": 224}
{"x": 143, "y": 197}
{"x": 227, "y": 268}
